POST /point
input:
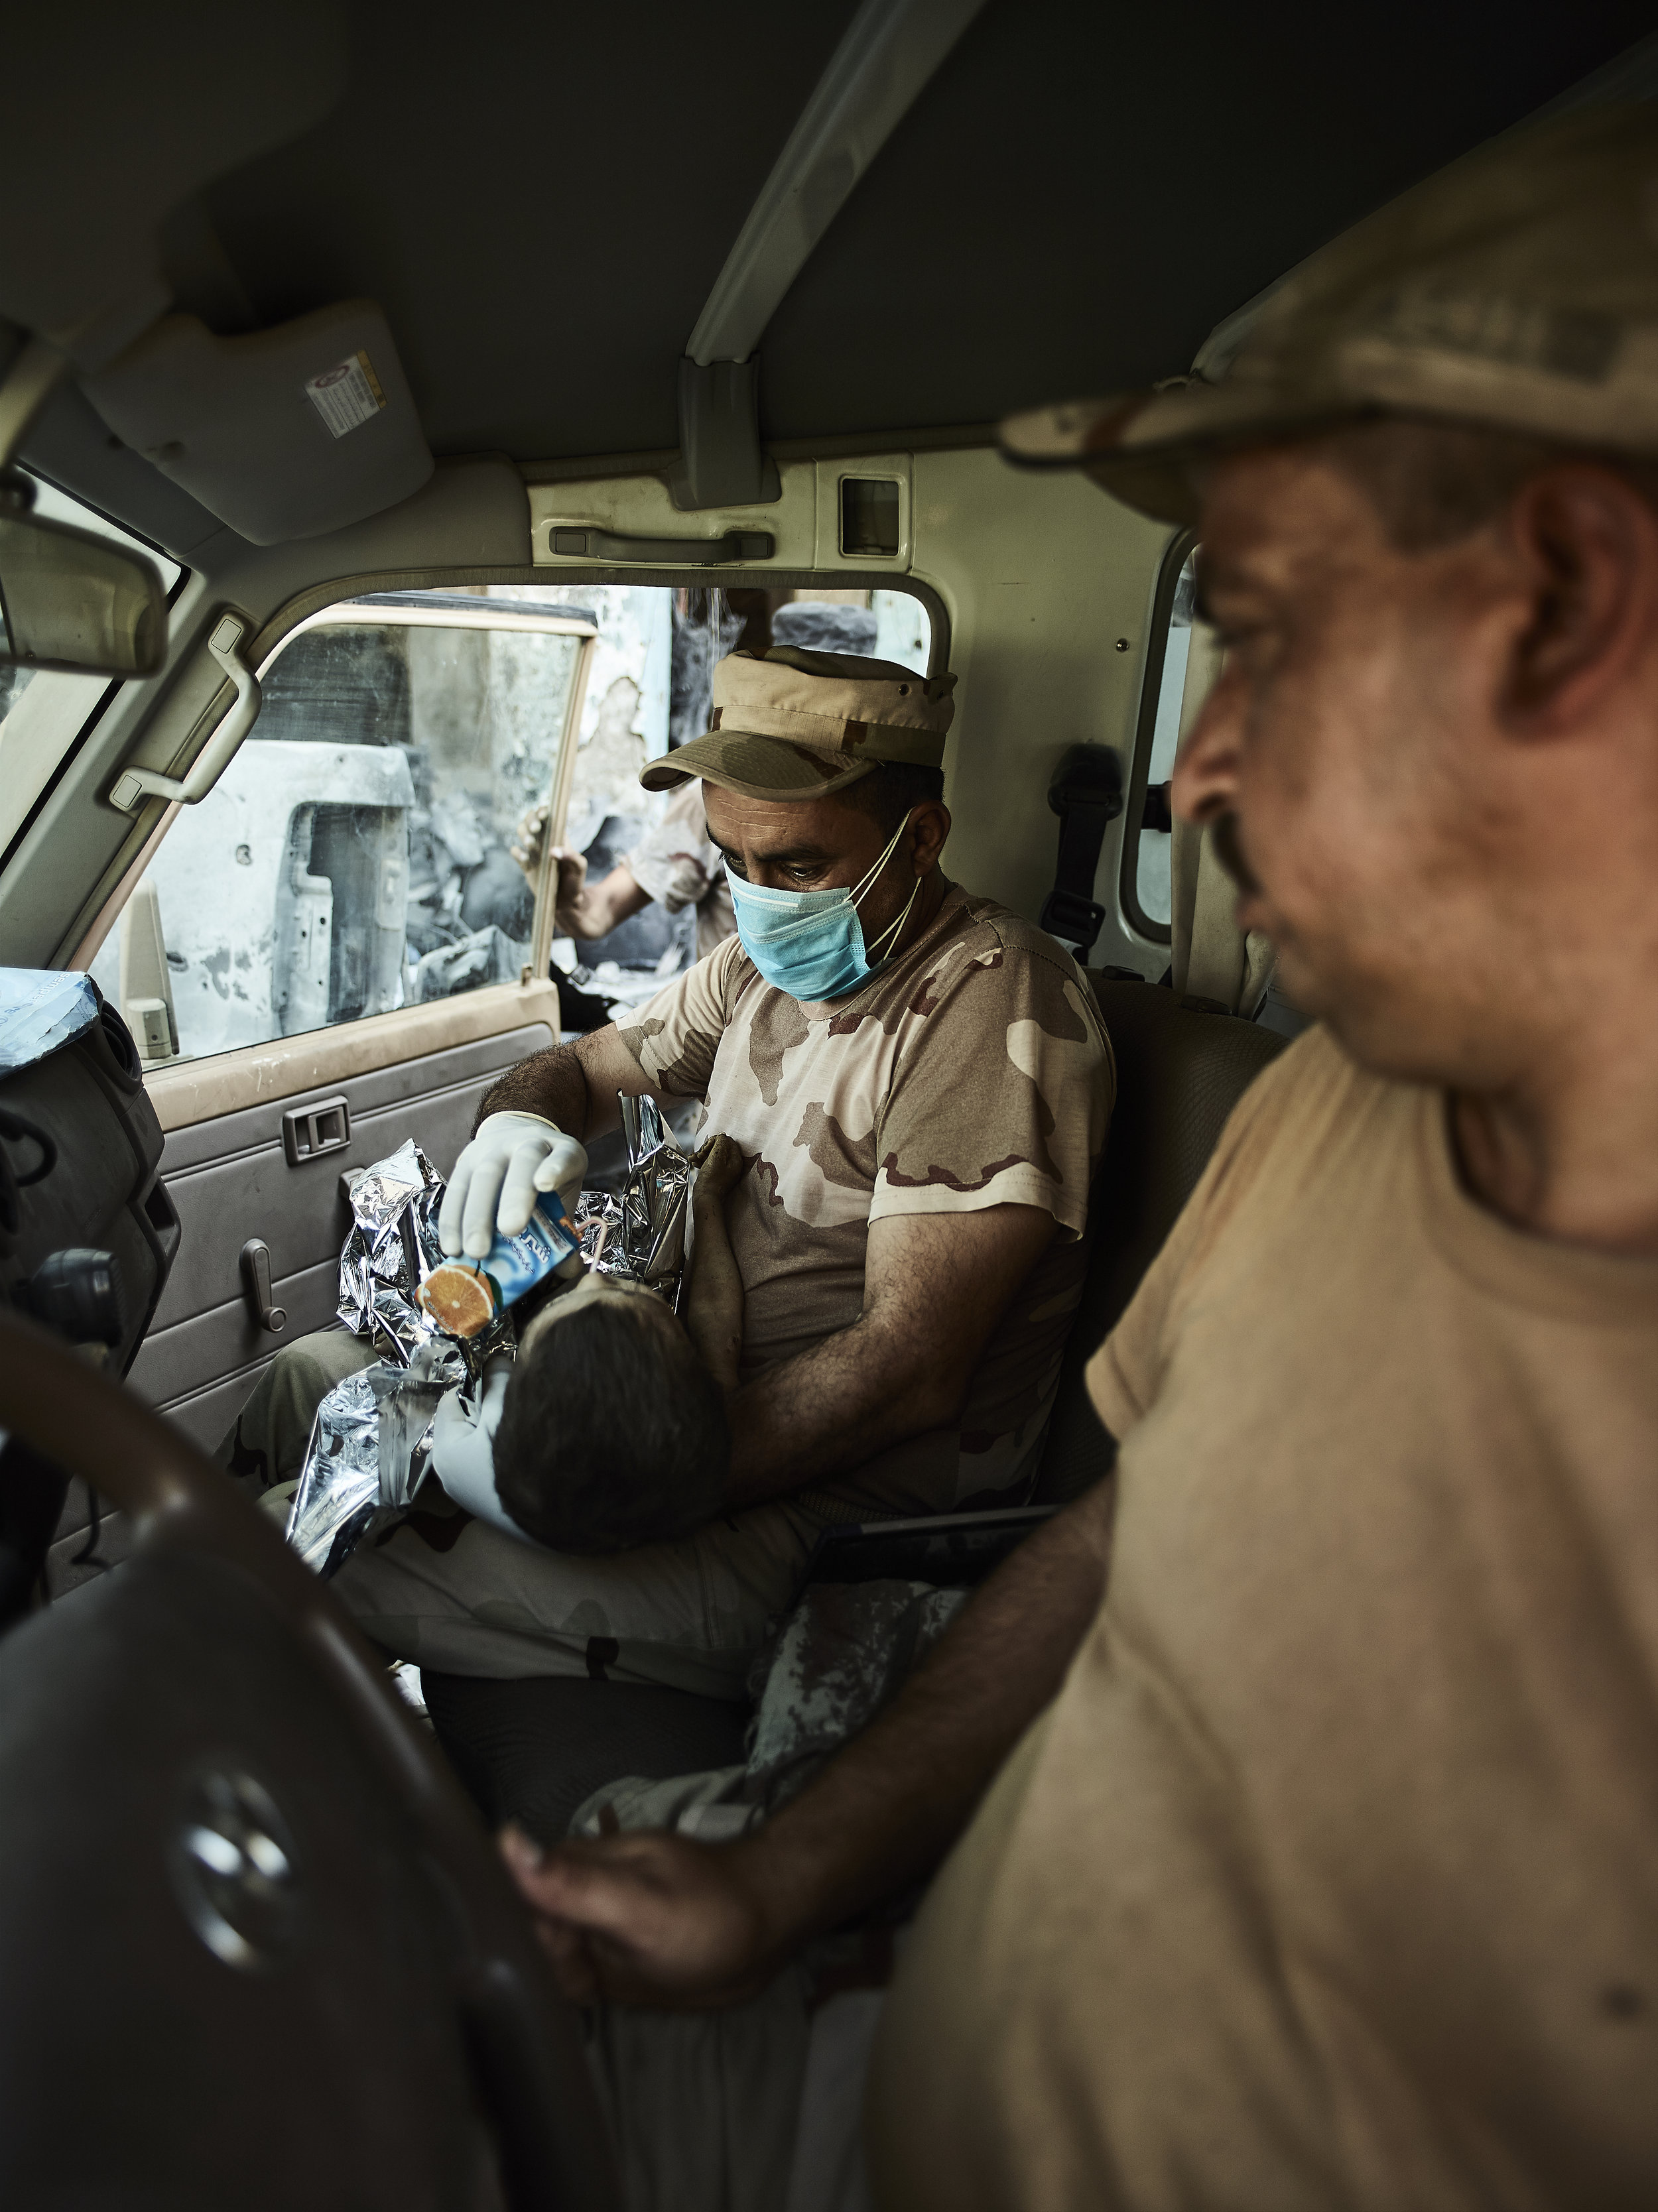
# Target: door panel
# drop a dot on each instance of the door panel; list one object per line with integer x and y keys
{"x": 230, "y": 1179}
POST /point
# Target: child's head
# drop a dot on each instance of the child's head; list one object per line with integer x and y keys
{"x": 612, "y": 1432}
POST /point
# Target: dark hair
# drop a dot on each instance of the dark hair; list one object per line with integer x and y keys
{"x": 613, "y": 1433}
{"x": 889, "y": 791}
{"x": 1432, "y": 484}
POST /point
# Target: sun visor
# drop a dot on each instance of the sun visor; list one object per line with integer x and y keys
{"x": 287, "y": 432}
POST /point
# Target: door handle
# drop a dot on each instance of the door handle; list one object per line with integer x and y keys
{"x": 309, "y": 1130}
{"x": 256, "y": 1286}
{"x": 592, "y": 544}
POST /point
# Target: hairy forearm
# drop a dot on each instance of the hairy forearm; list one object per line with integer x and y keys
{"x": 825, "y": 1411}
{"x": 575, "y": 1085}
{"x": 935, "y": 1287}
{"x": 552, "y": 1084}
{"x": 886, "y": 1810}
{"x": 836, "y": 1406}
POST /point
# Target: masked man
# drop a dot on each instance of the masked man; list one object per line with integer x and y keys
{"x": 919, "y": 1085}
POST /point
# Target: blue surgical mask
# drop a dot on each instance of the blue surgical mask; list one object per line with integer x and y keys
{"x": 810, "y": 944}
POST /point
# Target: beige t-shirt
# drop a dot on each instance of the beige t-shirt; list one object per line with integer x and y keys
{"x": 973, "y": 1071}
{"x": 677, "y": 862}
{"x": 1330, "y": 1877}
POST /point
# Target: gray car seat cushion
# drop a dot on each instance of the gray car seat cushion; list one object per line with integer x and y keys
{"x": 533, "y": 1750}
{"x": 1179, "y": 1074}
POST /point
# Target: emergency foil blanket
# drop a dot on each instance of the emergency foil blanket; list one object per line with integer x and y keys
{"x": 371, "y": 1446}
{"x": 640, "y": 1236}
{"x": 369, "y": 1454}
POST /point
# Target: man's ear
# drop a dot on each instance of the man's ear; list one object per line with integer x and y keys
{"x": 1589, "y": 543}
{"x": 925, "y": 834}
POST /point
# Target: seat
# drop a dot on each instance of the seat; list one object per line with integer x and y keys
{"x": 1180, "y": 1070}
{"x": 531, "y": 1751}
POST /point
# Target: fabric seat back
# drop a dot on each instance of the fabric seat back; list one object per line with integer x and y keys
{"x": 1180, "y": 1072}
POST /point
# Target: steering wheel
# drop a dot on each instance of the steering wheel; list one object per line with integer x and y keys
{"x": 522, "y": 2039}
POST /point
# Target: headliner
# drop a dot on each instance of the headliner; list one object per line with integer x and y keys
{"x": 541, "y": 203}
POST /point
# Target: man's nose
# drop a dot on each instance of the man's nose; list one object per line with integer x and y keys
{"x": 1205, "y": 779}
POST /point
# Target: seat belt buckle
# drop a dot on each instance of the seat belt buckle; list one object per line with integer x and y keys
{"x": 1067, "y": 915}
{"x": 1086, "y": 792}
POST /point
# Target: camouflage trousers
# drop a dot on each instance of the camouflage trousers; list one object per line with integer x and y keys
{"x": 448, "y": 1592}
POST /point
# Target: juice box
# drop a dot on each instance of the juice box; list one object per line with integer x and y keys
{"x": 465, "y": 1295}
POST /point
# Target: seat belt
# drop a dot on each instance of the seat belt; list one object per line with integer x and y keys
{"x": 1086, "y": 792}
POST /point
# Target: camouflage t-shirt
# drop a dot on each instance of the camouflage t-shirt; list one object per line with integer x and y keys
{"x": 971, "y": 1072}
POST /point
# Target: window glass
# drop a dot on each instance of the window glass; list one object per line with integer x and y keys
{"x": 1183, "y": 665}
{"x": 357, "y": 854}
{"x": 42, "y": 711}
{"x": 1151, "y": 862}
{"x": 353, "y": 856}
{"x": 651, "y": 690}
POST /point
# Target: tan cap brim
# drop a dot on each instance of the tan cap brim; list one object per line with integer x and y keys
{"x": 1141, "y": 447}
{"x": 756, "y": 767}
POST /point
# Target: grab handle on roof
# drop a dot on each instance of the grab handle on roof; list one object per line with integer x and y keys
{"x": 134, "y": 785}
{"x": 587, "y": 545}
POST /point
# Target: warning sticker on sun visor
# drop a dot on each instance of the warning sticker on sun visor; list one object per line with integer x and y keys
{"x": 346, "y": 394}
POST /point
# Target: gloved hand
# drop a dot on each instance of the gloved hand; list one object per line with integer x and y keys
{"x": 512, "y": 1160}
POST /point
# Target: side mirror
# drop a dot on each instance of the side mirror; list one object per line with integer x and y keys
{"x": 72, "y": 601}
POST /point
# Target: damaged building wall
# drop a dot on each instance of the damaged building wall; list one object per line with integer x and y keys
{"x": 624, "y": 718}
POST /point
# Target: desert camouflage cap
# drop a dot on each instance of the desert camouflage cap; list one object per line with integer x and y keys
{"x": 1517, "y": 290}
{"x": 789, "y": 724}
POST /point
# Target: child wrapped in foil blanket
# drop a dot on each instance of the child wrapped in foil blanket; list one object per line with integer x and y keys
{"x": 570, "y": 1388}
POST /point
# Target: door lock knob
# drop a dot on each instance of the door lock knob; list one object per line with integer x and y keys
{"x": 256, "y": 1286}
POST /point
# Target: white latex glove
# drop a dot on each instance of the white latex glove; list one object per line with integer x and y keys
{"x": 510, "y": 1164}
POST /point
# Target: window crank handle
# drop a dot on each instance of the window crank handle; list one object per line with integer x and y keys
{"x": 256, "y": 1286}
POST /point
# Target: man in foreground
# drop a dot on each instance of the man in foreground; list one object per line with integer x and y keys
{"x": 1316, "y": 1861}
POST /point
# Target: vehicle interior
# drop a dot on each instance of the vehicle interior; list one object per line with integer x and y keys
{"x": 458, "y": 391}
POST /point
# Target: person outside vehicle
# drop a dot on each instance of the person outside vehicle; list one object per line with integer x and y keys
{"x": 910, "y": 1244}
{"x": 673, "y": 862}
{"x": 1297, "y": 1789}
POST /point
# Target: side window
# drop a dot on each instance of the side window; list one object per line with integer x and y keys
{"x": 1180, "y": 668}
{"x": 353, "y": 856}
{"x": 651, "y": 690}
{"x": 357, "y": 855}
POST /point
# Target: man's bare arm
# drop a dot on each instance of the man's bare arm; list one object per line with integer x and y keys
{"x": 580, "y": 908}
{"x": 935, "y": 1286}
{"x": 657, "y": 1919}
{"x": 590, "y": 910}
{"x": 573, "y": 1085}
